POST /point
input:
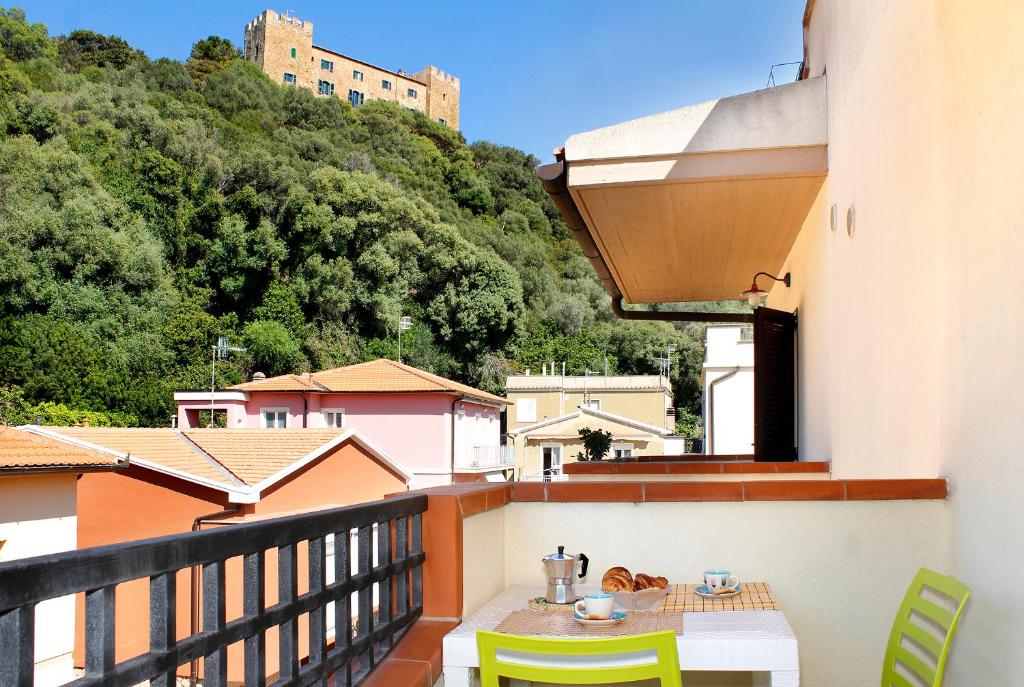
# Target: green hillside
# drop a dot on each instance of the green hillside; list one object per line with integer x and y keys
{"x": 147, "y": 207}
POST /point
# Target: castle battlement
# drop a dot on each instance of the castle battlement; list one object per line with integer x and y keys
{"x": 282, "y": 46}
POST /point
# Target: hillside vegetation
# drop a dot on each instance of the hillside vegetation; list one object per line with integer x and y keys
{"x": 148, "y": 206}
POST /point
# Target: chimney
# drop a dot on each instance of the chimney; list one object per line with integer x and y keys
{"x": 258, "y": 376}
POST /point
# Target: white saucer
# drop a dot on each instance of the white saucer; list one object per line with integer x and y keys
{"x": 617, "y": 617}
{"x": 702, "y": 590}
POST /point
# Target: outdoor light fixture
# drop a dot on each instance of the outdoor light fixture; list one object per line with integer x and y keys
{"x": 755, "y": 295}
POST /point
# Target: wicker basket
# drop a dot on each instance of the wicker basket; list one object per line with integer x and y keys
{"x": 642, "y": 600}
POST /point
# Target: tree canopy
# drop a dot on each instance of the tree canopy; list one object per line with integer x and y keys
{"x": 149, "y": 206}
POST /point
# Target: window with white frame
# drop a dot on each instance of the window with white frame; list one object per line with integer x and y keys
{"x": 622, "y": 450}
{"x": 441, "y": 120}
{"x": 357, "y": 75}
{"x": 289, "y": 78}
{"x": 274, "y": 418}
{"x": 526, "y": 410}
{"x": 324, "y": 87}
{"x": 333, "y": 417}
{"x": 385, "y": 84}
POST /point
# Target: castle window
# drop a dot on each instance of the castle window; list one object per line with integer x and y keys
{"x": 355, "y": 97}
{"x": 293, "y": 52}
{"x": 327, "y": 65}
{"x": 357, "y": 75}
{"x": 324, "y": 87}
{"x": 441, "y": 120}
{"x": 385, "y": 84}
{"x": 411, "y": 92}
{"x": 289, "y": 78}
{"x": 444, "y": 96}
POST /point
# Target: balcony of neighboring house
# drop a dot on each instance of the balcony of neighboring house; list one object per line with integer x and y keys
{"x": 486, "y": 459}
{"x": 391, "y": 592}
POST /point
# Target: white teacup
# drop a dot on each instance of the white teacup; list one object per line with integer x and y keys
{"x": 596, "y": 606}
{"x": 720, "y": 579}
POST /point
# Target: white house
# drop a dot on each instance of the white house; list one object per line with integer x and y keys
{"x": 727, "y": 381}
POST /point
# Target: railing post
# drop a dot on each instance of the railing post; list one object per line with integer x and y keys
{"x": 401, "y": 553}
{"x": 99, "y": 631}
{"x": 343, "y": 606}
{"x": 417, "y": 572}
{"x": 253, "y": 605}
{"x": 317, "y": 616}
{"x": 215, "y": 664}
{"x": 17, "y": 646}
{"x": 288, "y": 590}
{"x": 162, "y": 630}
{"x": 384, "y": 587}
{"x": 365, "y": 596}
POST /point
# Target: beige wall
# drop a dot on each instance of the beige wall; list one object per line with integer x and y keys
{"x": 838, "y": 568}
{"x": 644, "y": 406}
{"x": 37, "y": 517}
{"x": 911, "y": 347}
{"x": 370, "y": 86}
{"x": 483, "y": 559}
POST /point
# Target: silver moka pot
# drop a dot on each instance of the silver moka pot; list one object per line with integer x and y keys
{"x": 561, "y": 571}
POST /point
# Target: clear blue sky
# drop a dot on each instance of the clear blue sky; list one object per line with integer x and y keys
{"x": 533, "y": 72}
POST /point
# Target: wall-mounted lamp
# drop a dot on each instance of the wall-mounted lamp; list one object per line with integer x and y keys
{"x": 756, "y": 296}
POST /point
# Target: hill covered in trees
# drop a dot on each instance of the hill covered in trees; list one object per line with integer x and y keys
{"x": 148, "y": 206}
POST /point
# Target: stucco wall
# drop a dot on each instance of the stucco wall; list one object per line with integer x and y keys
{"x": 483, "y": 559}
{"x": 37, "y": 517}
{"x": 910, "y": 331}
{"x": 839, "y": 569}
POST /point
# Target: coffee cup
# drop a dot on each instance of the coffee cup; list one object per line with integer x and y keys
{"x": 596, "y": 606}
{"x": 720, "y": 579}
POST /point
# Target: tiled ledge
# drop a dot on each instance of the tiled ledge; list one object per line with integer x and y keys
{"x": 763, "y": 490}
{"x": 709, "y": 467}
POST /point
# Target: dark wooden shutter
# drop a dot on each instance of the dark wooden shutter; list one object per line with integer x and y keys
{"x": 774, "y": 385}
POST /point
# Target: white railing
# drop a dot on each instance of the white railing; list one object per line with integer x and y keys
{"x": 488, "y": 458}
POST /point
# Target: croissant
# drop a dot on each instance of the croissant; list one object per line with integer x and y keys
{"x": 617, "y": 579}
{"x": 660, "y": 582}
{"x": 643, "y": 581}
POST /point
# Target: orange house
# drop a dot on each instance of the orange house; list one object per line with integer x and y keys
{"x": 179, "y": 480}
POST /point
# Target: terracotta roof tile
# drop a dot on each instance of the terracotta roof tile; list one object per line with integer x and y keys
{"x": 23, "y": 450}
{"x": 252, "y": 455}
{"x": 163, "y": 446}
{"x": 376, "y": 376}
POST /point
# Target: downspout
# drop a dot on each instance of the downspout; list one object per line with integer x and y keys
{"x": 554, "y": 177}
{"x": 305, "y": 410}
{"x": 193, "y": 671}
{"x": 711, "y": 408}
{"x": 455, "y": 402}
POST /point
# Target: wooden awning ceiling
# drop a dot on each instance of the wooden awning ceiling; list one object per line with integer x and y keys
{"x": 688, "y": 205}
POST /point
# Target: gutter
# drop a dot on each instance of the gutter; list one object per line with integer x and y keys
{"x": 555, "y": 179}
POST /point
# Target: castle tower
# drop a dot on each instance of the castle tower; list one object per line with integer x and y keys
{"x": 442, "y": 95}
{"x": 282, "y": 46}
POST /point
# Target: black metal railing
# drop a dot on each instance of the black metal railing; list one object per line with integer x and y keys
{"x": 384, "y": 538}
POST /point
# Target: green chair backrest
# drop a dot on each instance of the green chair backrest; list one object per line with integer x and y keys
{"x": 923, "y": 629}
{"x": 524, "y": 658}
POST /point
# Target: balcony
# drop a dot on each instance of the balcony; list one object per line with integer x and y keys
{"x": 487, "y": 459}
{"x": 836, "y": 553}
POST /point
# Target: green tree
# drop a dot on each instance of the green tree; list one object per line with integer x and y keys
{"x": 271, "y": 347}
{"x": 83, "y": 48}
{"x": 210, "y": 55}
{"x": 596, "y": 443}
{"x": 20, "y": 40}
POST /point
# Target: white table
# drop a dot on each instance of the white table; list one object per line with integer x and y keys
{"x": 761, "y": 642}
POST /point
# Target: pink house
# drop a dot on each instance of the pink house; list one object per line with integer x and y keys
{"x": 438, "y": 430}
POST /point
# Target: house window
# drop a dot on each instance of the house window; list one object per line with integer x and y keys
{"x": 411, "y": 92}
{"x": 334, "y": 417}
{"x": 289, "y": 78}
{"x": 622, "y": 450}
{"x": 385, "y": 84}
{"x": 355, "y": 97}
{"x": 526, "y": 410}
{"x": 324, "y": 87}
{"x": 274, "y": 418}
{"x": 441, "y": 120}
{"x": 327, "y": 65}
{"x": 593, "y": 404}
{"x": 551, "y": 460}
{"x": 357, "y": 75}
{"x": 293, "y": 52}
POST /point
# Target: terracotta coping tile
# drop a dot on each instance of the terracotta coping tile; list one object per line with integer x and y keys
{"x": 393, "y": 672}
{"x": 596, "y": 491}
{"x": 529, "y": 491}
{"x": 790, "y": 490}
{"x": 890, "y": 489}
{"x": 693, "y": 491}
{"x": 423, "y": 643}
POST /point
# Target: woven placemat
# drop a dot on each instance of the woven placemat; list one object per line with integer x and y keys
{"x": 539, "y": 603}
{"x": 756, "y": 596}
{"x": 541, "y": 624}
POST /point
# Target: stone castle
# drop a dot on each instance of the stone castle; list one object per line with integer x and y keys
{"x": 282, "y": 46}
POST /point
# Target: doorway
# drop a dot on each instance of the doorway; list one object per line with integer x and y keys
{"x": 551, "y": 458}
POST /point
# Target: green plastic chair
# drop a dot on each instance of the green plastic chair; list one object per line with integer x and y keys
{"x": 662, "y": 666}
{"x": 932, "y": 636}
